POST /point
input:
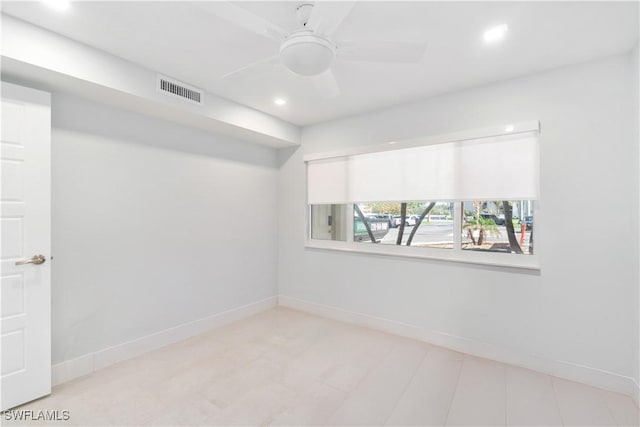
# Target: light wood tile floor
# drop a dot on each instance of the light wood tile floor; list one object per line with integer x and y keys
{"x": 284, "y": 367}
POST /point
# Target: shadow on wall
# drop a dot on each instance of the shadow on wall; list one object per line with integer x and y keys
{"x": 284, "y": 154}
{"x": 76, "y": 114}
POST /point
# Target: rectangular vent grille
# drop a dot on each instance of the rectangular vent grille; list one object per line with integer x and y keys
{"x": 180, "y": 90}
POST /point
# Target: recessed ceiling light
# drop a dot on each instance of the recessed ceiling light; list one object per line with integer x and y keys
{"x": 60, "y": 5}
{"x": 509, "y": 128}
{"x": 496, "y": 33}
{"x": 280, "y": 101}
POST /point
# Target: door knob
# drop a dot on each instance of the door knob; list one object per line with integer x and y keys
{"x": 36, "y": 259}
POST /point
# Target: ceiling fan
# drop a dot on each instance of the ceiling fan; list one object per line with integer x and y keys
{"x": 309, "y": 50}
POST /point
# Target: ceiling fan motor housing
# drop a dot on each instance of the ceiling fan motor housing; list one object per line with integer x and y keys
{"x": 307, "y": 54}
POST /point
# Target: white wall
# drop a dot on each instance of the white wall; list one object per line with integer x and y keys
{"x": 154, "y": 225}
{"x": 577, "y": 317}
{"x": 635, "y": 58}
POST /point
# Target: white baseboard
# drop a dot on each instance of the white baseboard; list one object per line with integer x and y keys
{"x": 559, "y": 368}
{"x": 88, "y": 363}
{"x": 71, "y": 369}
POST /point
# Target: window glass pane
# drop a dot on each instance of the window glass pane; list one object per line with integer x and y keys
{"x": 328, "y": 222}
{"x": 426, "y": 224}
{"x": 485, "y": 226}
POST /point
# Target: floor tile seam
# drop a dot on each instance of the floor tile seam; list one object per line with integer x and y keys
{"x": 455, "y": 392}
{"x": 606, "y": 402}
{"x": 557, "y": 400}
{"x": 406, "y": 387}
{"x": 350, "y": 393}
{"x": 504, "y": 381}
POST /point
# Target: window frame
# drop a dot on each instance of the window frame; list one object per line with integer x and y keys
{"x": 457, "y": 254}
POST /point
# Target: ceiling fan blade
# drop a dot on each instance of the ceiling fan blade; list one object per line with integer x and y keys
{"x": 326, "y": 84}
{"x": 326, "y": 16}
{"x": 271, "y": 60}
{"x": 406, "y": 52}
{"x": 243, "y": 19}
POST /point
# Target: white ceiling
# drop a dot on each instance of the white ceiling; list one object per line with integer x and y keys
{"x": 187, "y": 41}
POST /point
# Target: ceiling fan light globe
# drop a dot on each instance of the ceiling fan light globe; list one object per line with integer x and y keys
{"x": 307, "y": 55}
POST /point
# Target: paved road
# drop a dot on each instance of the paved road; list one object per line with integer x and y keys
{"x": 440, "y": 232}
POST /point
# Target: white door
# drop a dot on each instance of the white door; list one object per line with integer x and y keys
{"x": 25, "y": 232}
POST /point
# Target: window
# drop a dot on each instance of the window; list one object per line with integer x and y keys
{"x": 328, "y": 222}
{"x": 498, "y": 226}
{"x": 459, "y": 198}
{"x": 426, "y": 224}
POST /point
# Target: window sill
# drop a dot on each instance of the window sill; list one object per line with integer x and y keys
{"x": 492, "y": 259}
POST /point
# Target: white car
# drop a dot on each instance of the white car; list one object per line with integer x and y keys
{"x": 410, "y": 220}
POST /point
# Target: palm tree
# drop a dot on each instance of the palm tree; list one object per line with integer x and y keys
{"x": 403, "y": 219}
{"x": 419, "y": 221}
{"x": 508, "y": 222}
{"x": 481, "y": 225}
{"x": 365, "y": 222}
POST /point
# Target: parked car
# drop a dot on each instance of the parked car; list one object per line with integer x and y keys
{"x": 528, "y": 221}
{"x": 495, "y": 219}
{"x": 378, "y": 226}
{"x": 410, "y": 220}
{"x": 387, "y": 217}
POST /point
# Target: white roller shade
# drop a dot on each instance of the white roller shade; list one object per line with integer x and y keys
{"x": 495, "y": 168}
{"x": 327, "y": 181}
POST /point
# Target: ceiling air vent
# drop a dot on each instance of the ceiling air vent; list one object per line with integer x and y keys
{"x": 180, "y": 90}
